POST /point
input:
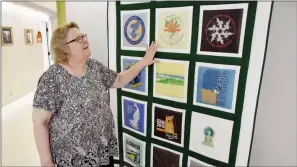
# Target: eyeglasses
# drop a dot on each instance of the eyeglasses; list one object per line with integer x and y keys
{"x": 79, "y": 39}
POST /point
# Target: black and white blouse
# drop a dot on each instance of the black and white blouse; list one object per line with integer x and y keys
{"x": 82, "y": 129}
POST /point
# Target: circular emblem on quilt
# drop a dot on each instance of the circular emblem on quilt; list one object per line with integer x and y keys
{"x": 220, "y": 31}
{"x": 134, "y": 30}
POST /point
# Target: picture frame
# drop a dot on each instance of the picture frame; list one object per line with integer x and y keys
{"x": 216, "y": 86}
{"x": 7, "y": 35}
{"x": 39, "y": 37}
{"x": 168, "y": 75}
{"x": 174, "y": 29}
{"x": 211, "y": 136}
{"x": 29, "y": 39}
{"x": 165, "y": 156}
{"x": 134, "y": 150}
{"x": 139, "y": 85}
{"x": 135, "y": 29}
{"x": 168, "y": 124}
{"x": 213, "y": 40}
{"x": 134, "y": 113}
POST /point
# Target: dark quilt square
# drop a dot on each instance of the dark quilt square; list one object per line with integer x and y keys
{"x": 221, "y": 30}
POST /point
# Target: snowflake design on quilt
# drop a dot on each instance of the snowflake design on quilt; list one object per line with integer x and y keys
{"x": 220, "y": 31}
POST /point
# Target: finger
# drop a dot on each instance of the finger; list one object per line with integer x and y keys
{"x": 152, "y": 45}
{"x": 149, "y": 46}
{"x": 156, "y": 45}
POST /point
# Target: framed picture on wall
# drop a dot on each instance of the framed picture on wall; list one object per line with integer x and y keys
{"x": 174, "y": 29}
{"x": 28, "y": 36}
{"x": 162, "y": 156}
{"x": 139, "y": 84}
{"x": 134, "y": 150}
{"x": 222, "y": 29}
{"x": 216, "y": 86}
{"x": 134, "y": 115}
{"x": 168, "y": 124}
{"x": 135, "y": 29}
{"x": 211, "y": 136}
{"x": 39, "y": 37}
{"x": 6, "y": 35}
{"x": 171, "y": 75}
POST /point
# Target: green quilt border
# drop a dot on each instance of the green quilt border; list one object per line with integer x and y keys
{"x": 192, "y": 58}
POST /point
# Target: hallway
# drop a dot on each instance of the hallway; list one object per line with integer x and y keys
{"x": 18, "y": 145}
{"x": 25, "y": 56}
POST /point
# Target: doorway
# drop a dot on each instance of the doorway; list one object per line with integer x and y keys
{"x": 46, "y": 35}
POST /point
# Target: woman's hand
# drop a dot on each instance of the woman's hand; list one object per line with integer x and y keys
{"x": 126, "y": 76}
{"x": 148, "y": 58}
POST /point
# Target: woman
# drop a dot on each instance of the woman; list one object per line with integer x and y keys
{"x": 73, "y": 123}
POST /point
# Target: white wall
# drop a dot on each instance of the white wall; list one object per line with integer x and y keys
{"x": 275, "y": 132}
{"x": 91, "y": 17}
{"x": 112, "y": 58}
{"x": 22, "y": 64}
{"x": 48, "y": 5}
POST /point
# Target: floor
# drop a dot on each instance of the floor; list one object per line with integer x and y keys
{"x": 18, "y": 145}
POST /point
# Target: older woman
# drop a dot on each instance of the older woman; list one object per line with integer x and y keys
{"x": 73, "y": 122}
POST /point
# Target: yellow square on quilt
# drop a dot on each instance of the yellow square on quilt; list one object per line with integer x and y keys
{"x": 208, "y": 96}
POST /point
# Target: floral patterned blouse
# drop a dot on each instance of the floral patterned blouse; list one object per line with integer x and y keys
{"x": 82, "y": 129}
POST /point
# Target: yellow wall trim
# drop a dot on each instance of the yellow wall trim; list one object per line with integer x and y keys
{"x": 61, "y": 12}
